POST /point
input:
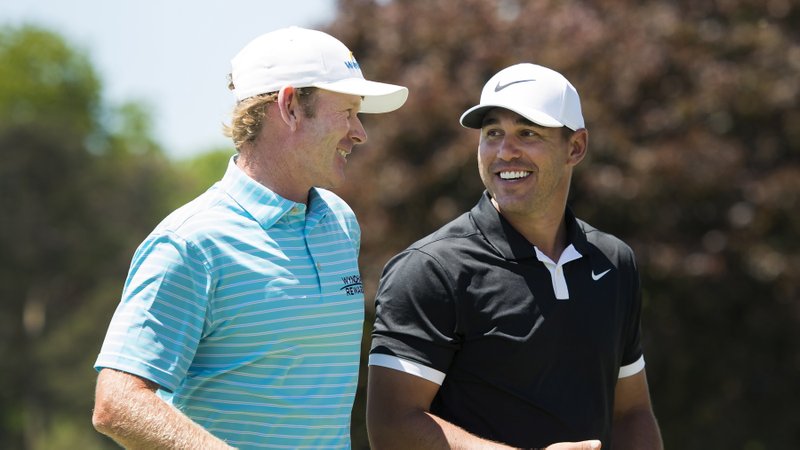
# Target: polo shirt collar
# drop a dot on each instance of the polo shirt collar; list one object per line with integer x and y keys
{"x": 264, "y": 205}
{"x": 508, "y": 241}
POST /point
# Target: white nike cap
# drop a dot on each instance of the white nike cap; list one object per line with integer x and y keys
{"x": 537, "y": 93}
{"x": 300, "y": 57}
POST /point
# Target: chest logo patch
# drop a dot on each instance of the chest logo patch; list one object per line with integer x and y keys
{"x": 352, "y": 285}
{"x": 596, "y": 277}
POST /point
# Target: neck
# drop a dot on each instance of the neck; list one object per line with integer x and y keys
{"x": 273, "y": 173}
{"x": 547, "y": 231}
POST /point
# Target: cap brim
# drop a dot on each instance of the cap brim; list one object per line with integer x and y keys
{"x": 473, "y": 117}
{"x": 377, "y": 97}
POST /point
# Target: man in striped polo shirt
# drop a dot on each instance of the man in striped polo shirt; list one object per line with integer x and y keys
{"x": 240, "y": 321}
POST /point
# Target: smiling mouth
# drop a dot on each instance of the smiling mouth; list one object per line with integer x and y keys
{"x": 343, "y": 153}
{"x": 514, "y": 175}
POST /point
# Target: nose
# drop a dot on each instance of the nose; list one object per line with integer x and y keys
{"x": 507, "y": 150}
{"x": 357, "y": 132}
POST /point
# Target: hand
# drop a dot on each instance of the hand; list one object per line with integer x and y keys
{"x": 583, "y": 445}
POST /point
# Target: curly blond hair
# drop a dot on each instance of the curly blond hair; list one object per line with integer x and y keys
{"x": 247, "y": 119}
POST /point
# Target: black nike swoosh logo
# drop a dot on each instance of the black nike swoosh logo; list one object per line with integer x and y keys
{"x": 500, "y": 86}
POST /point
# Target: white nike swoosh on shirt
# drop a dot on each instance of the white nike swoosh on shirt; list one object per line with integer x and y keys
{"x": 599, "y": 275}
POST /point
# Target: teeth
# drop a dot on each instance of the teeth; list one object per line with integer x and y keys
{"x": 513, "y": 175}
{"x": 343, "y": 153}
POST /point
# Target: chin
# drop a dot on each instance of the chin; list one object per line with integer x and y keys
{"x": 512, "y": 204}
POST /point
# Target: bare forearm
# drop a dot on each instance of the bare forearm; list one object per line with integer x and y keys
{"x": 159, "y": 425}
{"x": 422, "y": 430}
{"x": 398, "y": 417}
{"x": 457, "y": 438}
{"x": 637, "y": 430}
{"x": 129, "y": 412}
{"x": 433, "y": 433}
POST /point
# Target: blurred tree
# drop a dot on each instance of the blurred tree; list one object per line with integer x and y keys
{"x": 80, "y": 186}
{"x": 694, "y": 160}
{"x": 205, "y": 169}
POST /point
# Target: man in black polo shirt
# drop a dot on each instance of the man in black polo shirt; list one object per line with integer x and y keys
{"x": 516, "y": 325}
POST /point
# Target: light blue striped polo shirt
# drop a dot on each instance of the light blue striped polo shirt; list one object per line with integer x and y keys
{"x": 247, "y": 308}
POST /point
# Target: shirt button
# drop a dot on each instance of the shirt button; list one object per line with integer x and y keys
{"x": 319, "y": 266}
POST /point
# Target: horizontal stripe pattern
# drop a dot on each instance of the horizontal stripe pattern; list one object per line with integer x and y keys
{"x": 248, "y": 309}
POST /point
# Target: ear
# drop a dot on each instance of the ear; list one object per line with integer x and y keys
{"x": 287, "y": 104}
{"x": 578, "y": 145}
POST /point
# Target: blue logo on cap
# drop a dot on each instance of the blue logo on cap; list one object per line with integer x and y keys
{"x": 352, "y": 64}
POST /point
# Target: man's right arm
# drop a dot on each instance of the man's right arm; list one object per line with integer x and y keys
{"x": 128, "y": 410}
{"x": 398, "y": 417}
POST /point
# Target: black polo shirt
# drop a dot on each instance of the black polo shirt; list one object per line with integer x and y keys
{"x": 473, "y": 304}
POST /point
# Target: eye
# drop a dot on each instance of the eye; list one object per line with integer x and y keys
{"x": 492, "y": 132}
{"x": 529, "y": 133}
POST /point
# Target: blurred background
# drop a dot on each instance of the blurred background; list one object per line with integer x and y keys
{"x": 694, "y": 160}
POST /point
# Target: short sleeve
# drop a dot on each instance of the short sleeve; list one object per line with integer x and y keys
{"x": 416, "y": 317}
{"x": 155, "y": 330}
{"x": 632, "y": 355}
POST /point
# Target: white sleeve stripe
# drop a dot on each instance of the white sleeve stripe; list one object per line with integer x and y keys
{"x": 435, "y": 376}
{"x": 632, "y": 369}
{"x": 404, "y": 365}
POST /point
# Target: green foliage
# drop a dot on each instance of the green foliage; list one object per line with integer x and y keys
{"x": 44, "y": 81}
{"x": 77, "y": 198}
{"x": 204, "y": 170}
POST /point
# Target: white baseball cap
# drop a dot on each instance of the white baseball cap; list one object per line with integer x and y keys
{"x": 537, "y": 93}
{"x": 299, "y": 57}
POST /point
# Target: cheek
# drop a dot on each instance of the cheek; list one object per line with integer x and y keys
{"x": 339, "y": 130}
{"x": 484, "y": 163}
{"x": 485, "y": 157}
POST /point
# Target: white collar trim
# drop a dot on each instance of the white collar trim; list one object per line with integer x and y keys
{"x": 557, "y": 270}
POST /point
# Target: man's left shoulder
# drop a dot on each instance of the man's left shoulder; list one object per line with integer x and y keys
{"x": 333, "y": 202}
{"x": 607, "y": 243}
{"x": 336, "y": 212}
